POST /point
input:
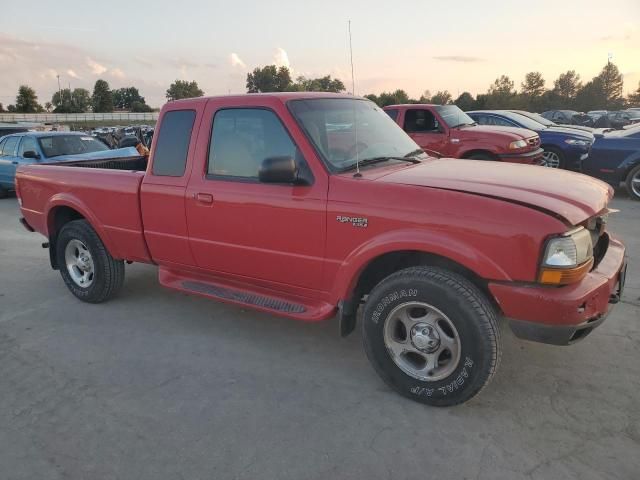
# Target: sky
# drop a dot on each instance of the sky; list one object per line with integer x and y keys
{"x": 414, "y": 45}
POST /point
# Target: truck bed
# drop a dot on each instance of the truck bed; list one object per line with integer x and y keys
{"x": 106, "y": 192}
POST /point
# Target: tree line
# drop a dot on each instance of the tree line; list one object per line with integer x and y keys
{"x": 602, "y": 92}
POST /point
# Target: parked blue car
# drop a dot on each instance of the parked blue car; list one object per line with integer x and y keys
{"x": 615, "y": 158}
{"x": 31, "y": 147}
{"x": 563, "y": 147}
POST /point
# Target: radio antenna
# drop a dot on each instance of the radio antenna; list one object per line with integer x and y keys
{"x": 355, "y": 111}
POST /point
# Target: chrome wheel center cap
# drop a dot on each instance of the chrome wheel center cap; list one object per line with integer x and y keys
{"x": 425, "y": 338}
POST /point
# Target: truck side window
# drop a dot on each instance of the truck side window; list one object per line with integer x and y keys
{"x": 392, "y": 113}
{"x": 170, "y": 155}
{"x": 416, "y": 121}
{"x": 242, "y": 138}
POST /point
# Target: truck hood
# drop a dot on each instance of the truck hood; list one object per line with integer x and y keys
{"x": 571, "y": 196}
{"x": 509, "y": 134}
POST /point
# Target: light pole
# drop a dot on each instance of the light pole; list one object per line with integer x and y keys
{"x": 59, "y": 91}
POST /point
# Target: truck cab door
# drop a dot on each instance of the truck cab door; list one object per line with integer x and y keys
{"x": 263, "y": 233}
{"x": 426, "y": 130}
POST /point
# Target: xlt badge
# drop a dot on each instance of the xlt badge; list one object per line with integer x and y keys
{"x": 359, "y": 222}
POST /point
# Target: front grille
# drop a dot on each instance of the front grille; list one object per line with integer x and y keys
{"x": 534, "y": 141}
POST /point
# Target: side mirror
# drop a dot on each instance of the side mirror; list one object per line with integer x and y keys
{"x": 30, "y": 154}
{"x": 279, "y": 170}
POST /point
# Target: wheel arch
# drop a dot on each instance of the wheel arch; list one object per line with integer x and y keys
{"x": 63, "y": 209}
{"x": 479, "y": 151}
{"x": 374, "y": 267}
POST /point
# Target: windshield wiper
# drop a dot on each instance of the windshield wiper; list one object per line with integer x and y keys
{"x": 415, "y": 152}
{"x": 370, "y": 161}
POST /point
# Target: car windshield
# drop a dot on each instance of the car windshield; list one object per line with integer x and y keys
{"x": 537, "y": 118}
{"x": 453, "y": 116}
{"x": 58, "y": 145}
{"x": 345, "y": 131}
{"x": 634, "y": 114}
{"x": 523, "y": 120}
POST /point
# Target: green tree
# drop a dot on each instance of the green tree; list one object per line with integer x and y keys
{"x": 2, "y": 110}
{"x": 611, "y": 84}
{"x": 102, "y": 99}
{"x": 565, "y": 88}
{"x": 442, "y": 98}
{"x": 11, "y": 109}
{"x": 124, "y": 98}
{"x": 321, "y": 84}
{"x": 270, "y": 79}
{"x": 183, "y": 89}
{"x": 634, "y": 98}
{"x": 397, "y": 97}
{"x": 140, "y": 107}
{"x": 533, "y": 85}
{"x": 67, "y": 101}
{"x": 48, "y": 106}
{"x": 373, "y": 97}
{"x": 501, "y": 93}
{"x": 591, "y": 96}
{"x": 465, "y": 101}
{"x": 27, "y": 100}
{"x": 425, "y": 97}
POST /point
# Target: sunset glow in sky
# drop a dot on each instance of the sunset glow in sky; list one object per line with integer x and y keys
{"x": 414, "y": 45}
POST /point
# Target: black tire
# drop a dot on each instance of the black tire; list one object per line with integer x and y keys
{"x": 108, "y": 273}
{"x": 480, "y": 156}
{"x": 559, "y": 153}
{"x": 468, "y": 309}
{"x": 633, "y": 174}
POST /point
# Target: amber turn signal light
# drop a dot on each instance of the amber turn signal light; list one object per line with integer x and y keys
{"x": 564, "y": 276}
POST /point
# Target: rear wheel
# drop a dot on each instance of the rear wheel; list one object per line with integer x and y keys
{"x": 431, "y": 335}
{"x": 633, "y": 183}
{"x": 552, "y": 158}
{"x": 87, "y": 268}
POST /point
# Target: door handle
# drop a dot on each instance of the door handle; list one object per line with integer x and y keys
{"x": 205, "y": 198}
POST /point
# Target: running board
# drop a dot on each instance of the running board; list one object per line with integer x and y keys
{"x": 252, "y": 297}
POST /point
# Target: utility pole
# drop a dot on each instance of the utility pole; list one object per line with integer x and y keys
{"x": 59, "y": 90}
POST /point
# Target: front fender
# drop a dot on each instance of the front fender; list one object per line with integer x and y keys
{"x": 419, "y": 240}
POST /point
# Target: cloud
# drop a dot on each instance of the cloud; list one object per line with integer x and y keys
{"x": 458, "y": 58}
{"x": 117, "y": 73}
{"x": 95, "y": 67}
{"x": 281, "y": 59}
{"x": 73, "y": 74}
{"x": 236, "y": 61}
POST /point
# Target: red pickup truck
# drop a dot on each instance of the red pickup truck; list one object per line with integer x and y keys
{"x": 447, "y": 131}
{"x": 307, "y": 205}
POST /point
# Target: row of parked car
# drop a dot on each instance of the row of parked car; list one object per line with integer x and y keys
{"x": 524, "y": 137}
{"x": 617, "y": 119}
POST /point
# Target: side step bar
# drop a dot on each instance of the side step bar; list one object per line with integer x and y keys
{"x": 277, "y": 303}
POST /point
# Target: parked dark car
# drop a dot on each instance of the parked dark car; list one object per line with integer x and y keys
{"x": 548, "y": 123}
{"x": 615, "y": 158}
{"x": 563, "y": 147}
{"x": 8, "y": 129}
{"x": 568, "y": 117}
{"x": 623, "y": 118}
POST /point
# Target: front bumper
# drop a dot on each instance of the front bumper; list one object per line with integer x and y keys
{"x": 564, "y": 315}
{"x": 531, "y": 158}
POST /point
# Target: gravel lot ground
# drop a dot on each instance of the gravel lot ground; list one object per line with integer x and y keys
{"x": 156, "y": 384}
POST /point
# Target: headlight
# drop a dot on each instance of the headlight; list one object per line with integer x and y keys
{"x": 580, "y": 143}
{"x": 518, "y": 144}
{"x": 567, "y": 259}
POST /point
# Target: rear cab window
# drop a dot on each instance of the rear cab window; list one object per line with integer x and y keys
{"x": 392, "y": 113}
{"x": 172, "y": 146}
{"x": 9, "y": 146}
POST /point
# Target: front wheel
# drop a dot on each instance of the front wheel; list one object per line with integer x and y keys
{"x": 431, "y": 335}
{"x": 552, "y": 158}
{"x": 87, "y": 268}
{"x": 633, "y": 183}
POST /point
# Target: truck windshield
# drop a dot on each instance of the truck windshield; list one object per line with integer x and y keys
{"x": 58, "y": 145}
{"x": 348, "y": 130}
{"x": 453, "y": 116}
